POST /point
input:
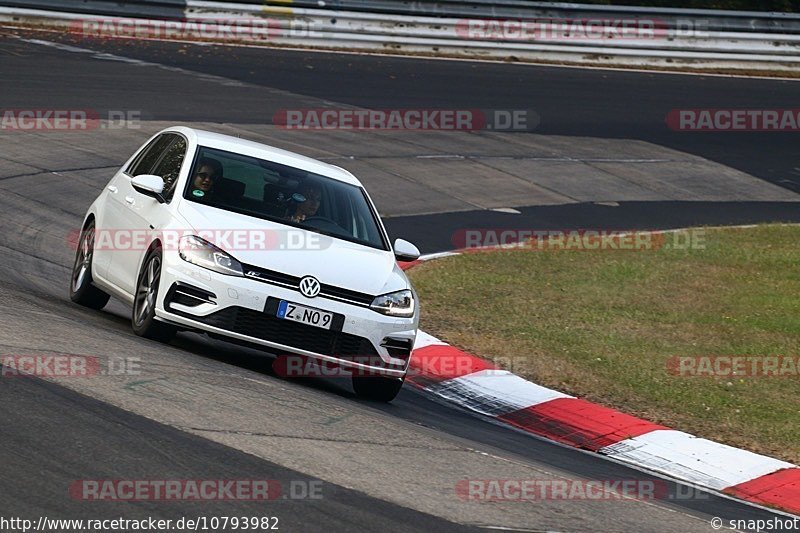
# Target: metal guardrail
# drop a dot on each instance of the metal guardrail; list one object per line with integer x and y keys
{"x": 495, "y": 37}
{"x": 365, "y": 30}
{"x": 126, "y": 8}
{"x": 715, "y": 20}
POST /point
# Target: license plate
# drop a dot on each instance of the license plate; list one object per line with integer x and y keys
{"x": 304, "y": 315}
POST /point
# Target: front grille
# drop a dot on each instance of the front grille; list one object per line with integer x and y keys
{"x": 326, "y": 291}
{"x": 337, "y": 292}
{"x": 268, "y": 327}
{"x": 262, "y": 274}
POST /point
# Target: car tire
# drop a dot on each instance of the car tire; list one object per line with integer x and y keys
{"x": 143, "y": 315}
{"x": 81, "y": 289}
{"x": 377, "y": 388}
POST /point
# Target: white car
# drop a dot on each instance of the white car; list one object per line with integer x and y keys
{"x": 253, "y": 244}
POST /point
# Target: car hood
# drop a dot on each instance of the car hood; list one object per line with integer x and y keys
{"x": 295, "y": 251}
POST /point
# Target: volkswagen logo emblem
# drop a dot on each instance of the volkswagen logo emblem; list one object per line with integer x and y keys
{"x": 309, "y": 286}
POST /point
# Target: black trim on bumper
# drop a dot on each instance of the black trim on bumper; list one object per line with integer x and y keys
{"x": 266, "y": 326}
{"x": 188, "y": 295}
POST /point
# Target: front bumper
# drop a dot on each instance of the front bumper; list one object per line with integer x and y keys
{"x": 242, "y": 308}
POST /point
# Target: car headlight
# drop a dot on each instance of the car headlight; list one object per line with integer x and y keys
{"x": 202, "y": 253}
{"x": 400, "y": 303}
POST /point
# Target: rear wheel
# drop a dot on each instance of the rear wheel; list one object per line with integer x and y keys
{"x": 377, "y": 388}
{"x": 143, "y": 317}
{"x": 81, "y": 290}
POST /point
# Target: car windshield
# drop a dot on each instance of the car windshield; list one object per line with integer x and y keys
{"x": 283, "y": 194}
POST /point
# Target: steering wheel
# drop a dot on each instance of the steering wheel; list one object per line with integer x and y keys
{"x": 320, "y": 219}
{"x": 321, "y": 222}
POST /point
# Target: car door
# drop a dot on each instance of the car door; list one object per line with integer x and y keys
{"x": 136, "y": 213}
{"x": 111, "y": 214}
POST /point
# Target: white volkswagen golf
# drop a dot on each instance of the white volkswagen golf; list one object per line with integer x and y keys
{"x": 257, "y": 245}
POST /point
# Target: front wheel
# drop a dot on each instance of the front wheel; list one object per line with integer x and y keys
{"x": 81, "y": 290}
{"x": 143, "y": 318}
{"x": 377, "y": 388}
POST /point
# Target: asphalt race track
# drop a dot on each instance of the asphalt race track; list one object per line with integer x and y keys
{"x": 201, "y": 409}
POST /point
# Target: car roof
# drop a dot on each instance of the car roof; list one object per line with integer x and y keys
{"x": 237, "y": 145}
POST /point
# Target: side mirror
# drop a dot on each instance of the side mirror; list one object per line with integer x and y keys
{"x": 149, "y": 185}
{"x": 405, "y": 251}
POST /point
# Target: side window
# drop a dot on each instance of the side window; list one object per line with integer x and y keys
{"x": 170, "y": 165}
{"x": 146, "y": 160}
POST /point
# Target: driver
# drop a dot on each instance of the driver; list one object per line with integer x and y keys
{"x": 303, "y": 210}
{"x": 208, "y": 170}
